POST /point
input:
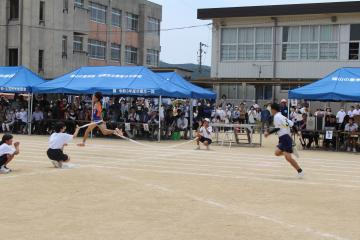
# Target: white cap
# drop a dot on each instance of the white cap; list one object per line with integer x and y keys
{"x": 206, "y": 119}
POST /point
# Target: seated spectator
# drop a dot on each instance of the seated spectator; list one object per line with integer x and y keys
{"x": 330, "y": 123}
{"x": 38, "y": 118}
{"x": 182, "y": 125}
{"x": 23, "y": 119}
{"x": 352, "y": 128}
{"x": 9, "y": 121}
{"x": 308, "y": 135}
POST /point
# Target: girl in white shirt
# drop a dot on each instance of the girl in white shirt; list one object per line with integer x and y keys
{"x": 7, "y": 152}
{"x": 57, "y": 141}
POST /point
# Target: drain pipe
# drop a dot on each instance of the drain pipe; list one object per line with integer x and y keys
{"x": 275, "y": 20}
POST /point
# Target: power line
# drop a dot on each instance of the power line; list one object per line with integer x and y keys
{"x": 106, "y": 31}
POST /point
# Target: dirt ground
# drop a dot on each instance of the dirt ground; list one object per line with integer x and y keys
{"x": 125, "y": 191}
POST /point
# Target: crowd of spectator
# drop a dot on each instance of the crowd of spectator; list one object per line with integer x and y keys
{"x": 139, "y": 117}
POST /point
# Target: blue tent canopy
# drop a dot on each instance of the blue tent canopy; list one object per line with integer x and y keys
{"x": 195, "y": 91}
{"x": 18, "y": 80}
{"x": 341, "y": 85}
{"x": 113, "y": 80}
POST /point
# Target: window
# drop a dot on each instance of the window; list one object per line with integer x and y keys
{"x": 97, "y": 12}
{"x": 263, "y": 92}
{"x": 131, "y": 55}
{"x": 291, "y": 40}
{"x": 246, "y": 44}
{"x": 152, "y": 57}
{"x": 263, "y": 48}
{"x": 13, "y": 57}
{"x": 79, "y": 3}
{"x": 329, "y": 38}
{"x": 116, "y": 17}
{"x": 41, "y": 61}
{"x": 66, "y": 6}
{"x": 228, "y": 44}
{"x": 97, "y": 49}
{"x": 115, "y": 52}
{"x": 14, "y": 9}
{"x": 64, "y": 46}
{"x": 310, "y": 42}
{"x": 42, "y": 11}
{"x": 132, "y": 22}
{"x": 153, "y": 25}
{"x": 78, "y": 43}
{"x": 354, "y": 42}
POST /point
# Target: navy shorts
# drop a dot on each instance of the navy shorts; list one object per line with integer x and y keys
{"x": 204, "y": 139}
{"x": 57, "y": 155}
{"x": 285, "y": 143}
{"x": 3, "y": 159}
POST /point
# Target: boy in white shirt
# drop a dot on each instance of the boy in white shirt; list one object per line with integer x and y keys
{"x": 7, "y": 152}
{"x": 204, "y": 134}
{"x": 57, "y": 141}
{"x": 285, "y": 146}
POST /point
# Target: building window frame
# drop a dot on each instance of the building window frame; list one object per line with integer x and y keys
{"x": 79, "y": 3}
{"x": 131, "y": 55}
{"x": 64, "y": 46}
{"x": 98, "y": 12}
{"x": 42, "y": 12}
{"x": 230, "y": 51}
{"x": 116, "y": 15}
{"x": 354, "y": 41}
{"x": 152, "y": 57}
{"x": 132, "y": 22}
{"x": 78, "y": 43}
{"x": 96, "y": 49}
{"x": 41, "y": 61}
{"x": 153, "y": 25}
{"x": 14, "y": 10}
{"x": 318, "y": 42}
{"x": 115, "y": 52}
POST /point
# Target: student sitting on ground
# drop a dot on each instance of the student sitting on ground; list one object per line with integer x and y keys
{"x": 57, "y": 141}
{"x": 7, "y": 152}
{"x": 204, "y": 134}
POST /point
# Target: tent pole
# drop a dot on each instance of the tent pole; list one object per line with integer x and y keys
{"x": 159, "y": 131}
{"x": 289, "y": 102}
{"x": 191, "y": 118}
{"x": 29, "y": 113}
{"x": 92, "y": 113}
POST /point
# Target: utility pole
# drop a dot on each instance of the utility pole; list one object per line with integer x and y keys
{"x": 200, "y": 54}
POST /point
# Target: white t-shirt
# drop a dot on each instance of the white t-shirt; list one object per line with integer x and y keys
{"x": 340, "y": 116}
{"x": 350, "y": 113}
{"x": 58, "y": 140}
{"x": 283, "y": 123}
{"x": 351, "y": 128}
{"x": 6, "y": 149}
{"x": 356, "y": 112}
{"x": 23, "y": 116}
{"x": 203, "y": 132}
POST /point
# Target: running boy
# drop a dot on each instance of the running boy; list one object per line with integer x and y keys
{"x": 57, "y": 141}
{"x": 204, "y": 135}
{"x": 285, "y": 147}
{"x": 7, "y": 152}
{"x": 98, "y": 121}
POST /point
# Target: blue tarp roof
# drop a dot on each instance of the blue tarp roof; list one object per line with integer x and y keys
{"x": 196, "y": 92}
{"x": 341, "y": 85}
{"x": 18, "y": 79}
{"x": 113, "y": 80}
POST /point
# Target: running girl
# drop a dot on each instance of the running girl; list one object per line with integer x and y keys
{"x": 285, "y": 147}
{"x": 98, "y": 121}
{"x": 7, "y": 152}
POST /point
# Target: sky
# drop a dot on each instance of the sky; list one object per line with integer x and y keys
{"x": 181, "y": 46}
